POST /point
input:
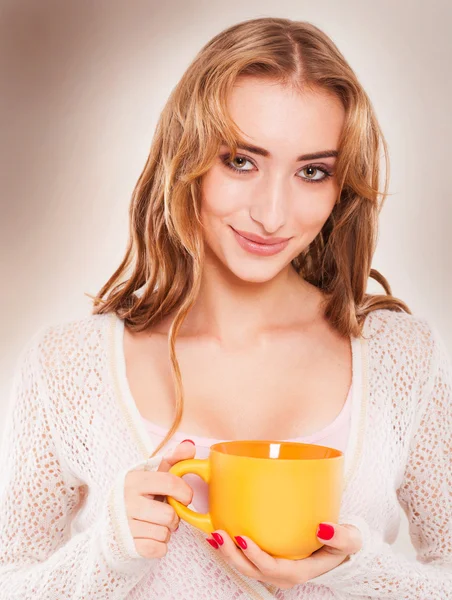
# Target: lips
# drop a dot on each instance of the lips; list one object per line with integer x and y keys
{"x": 258, "y": 248}
{"x": 260, "y": 240}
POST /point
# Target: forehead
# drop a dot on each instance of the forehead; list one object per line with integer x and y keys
{"x": 284, "y": 120}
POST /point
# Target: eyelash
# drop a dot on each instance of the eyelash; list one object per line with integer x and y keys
{"x": 324, "y": 170}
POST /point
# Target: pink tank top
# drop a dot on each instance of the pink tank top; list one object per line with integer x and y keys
{"x": 334, "y": 435}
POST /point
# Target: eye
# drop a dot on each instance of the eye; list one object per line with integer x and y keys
{"x": 314, "y": 171}
{"x": 242, "y": 159}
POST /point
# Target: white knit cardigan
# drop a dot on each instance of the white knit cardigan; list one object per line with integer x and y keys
{"x": 73, "y": 431}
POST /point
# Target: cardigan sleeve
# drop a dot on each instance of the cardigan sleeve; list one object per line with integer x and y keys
{"x": 425, "y": 494}
{"x": 38, "y": 497}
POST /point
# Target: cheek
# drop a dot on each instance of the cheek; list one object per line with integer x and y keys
{"x": 221, "y": 197}
{"x": 311, "y": 213}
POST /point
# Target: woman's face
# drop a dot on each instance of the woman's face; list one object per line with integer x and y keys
{"x": 283, "y": 193}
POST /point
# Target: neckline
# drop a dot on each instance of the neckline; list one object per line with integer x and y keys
{"x": 143, "y": 439}
{"x": 312, "y": 438}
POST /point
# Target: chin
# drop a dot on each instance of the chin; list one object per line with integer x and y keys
{"x": 252, "y": 272}
{"x": 246, "y": 267}
{"x": 256, "y": 277}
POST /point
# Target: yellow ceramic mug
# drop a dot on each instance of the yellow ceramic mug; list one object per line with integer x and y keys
{"x": 274, "y": 492}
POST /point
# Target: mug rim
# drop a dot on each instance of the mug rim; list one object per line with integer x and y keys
{"x": 337, "y": 454}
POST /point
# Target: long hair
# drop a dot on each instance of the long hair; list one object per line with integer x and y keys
{"x": 165, "y": 252}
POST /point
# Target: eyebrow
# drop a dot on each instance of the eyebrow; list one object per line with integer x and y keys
{"x": 309, "y": 156}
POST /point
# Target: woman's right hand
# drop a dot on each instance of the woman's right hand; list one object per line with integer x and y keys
{"x": 152, "y": 521}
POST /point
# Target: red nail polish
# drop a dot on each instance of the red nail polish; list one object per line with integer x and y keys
{"x": 212, "y": 543}
{"x": 191, "y": 442}
{"x": 325, "y": 532}
{"x": 241, "y": 542}
{"x": 218, "y": 538}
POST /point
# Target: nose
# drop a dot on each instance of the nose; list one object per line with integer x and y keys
{"x": 270, "y": 206}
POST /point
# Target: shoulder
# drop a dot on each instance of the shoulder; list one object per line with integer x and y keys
{"x": 409, "y": 330}
{"x": 407, "y": 342}
{"x": 68, "y": 342}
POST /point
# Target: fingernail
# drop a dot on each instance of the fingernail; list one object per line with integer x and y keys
{"x": 241, "y": 542}
{"x": 191, "y": 441}
{"x": 212, "y": 543}
{"x": 325, "y": 532}
{"x": 218, "y": 538}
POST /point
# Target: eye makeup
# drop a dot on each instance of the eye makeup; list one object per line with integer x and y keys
{"x": 327, "y": 173}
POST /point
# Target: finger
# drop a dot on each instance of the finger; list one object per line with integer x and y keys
{"x": 263, "y": 561}
{"x": 340, "y": 539}
{"x": 152, "y": 511}
{"x": 183, "y": 451}
{"x": 152, "y": 531}
{"x": 321, "y": 561}
{"x": 167, "y": 484}
{"x": 272, "y": 568}
{"x": 151, "y": 548}
{"x": 234, "y": 555}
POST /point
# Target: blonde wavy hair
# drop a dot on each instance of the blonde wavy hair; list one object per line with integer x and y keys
{"x": 165, "y": 252}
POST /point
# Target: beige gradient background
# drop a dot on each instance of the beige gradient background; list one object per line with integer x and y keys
{"x": 83, "y": 83}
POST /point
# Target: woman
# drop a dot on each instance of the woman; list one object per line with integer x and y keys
{"x": 268, "y": 135}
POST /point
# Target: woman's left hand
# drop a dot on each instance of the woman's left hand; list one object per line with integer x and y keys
{"x": 286, "y": 573}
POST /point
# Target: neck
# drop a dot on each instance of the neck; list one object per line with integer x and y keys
{"x": 235, "y": 313}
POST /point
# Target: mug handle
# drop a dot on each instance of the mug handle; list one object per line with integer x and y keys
{"x": 201, "y": 467}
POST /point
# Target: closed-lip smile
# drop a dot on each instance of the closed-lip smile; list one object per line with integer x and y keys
{"x": 260, "y": 240}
